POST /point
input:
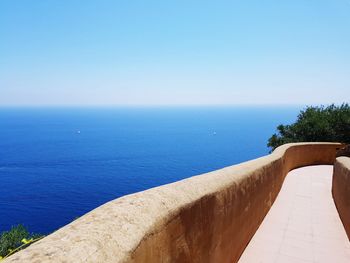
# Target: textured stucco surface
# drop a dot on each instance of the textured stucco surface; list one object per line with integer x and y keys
{"x": 205, "y": 218}
{"x": 303, "y": 224}
{"x": 341, "y": 190}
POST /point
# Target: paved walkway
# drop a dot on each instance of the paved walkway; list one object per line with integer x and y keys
{"x": 303, "y": 224}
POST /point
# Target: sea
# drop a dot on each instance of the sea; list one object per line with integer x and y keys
{"x": 56, "y": 164}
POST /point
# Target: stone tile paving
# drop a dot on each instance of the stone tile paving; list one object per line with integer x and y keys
{"x": 303, "y": 224}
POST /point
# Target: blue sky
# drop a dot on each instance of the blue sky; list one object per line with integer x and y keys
{"x": 174, "y": 52}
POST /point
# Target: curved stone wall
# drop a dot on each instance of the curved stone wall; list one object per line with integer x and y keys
{"x": 341, "y": 190}
{"x": 205, "y": 218}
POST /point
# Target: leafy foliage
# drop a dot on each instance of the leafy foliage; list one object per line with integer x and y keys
{"x": 15, "y": 239}
{"x": 316, "y": 124}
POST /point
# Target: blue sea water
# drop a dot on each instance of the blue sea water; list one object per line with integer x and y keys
{"x": 58, "y": 163}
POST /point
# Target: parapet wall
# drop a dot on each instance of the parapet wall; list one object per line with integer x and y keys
{"x": 341, "y": 190}
{"x": 205, "y": 218}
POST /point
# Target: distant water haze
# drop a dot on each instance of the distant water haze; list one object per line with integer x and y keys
{"x": 57, "y": 164}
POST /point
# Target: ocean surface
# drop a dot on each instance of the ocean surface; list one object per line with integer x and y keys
{"x": 58, "y": 163}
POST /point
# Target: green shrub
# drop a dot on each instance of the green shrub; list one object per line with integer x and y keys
{"x": 16, "y": 239}
{"x": 315, "y": 124}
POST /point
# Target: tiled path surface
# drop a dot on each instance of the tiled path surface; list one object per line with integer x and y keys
{"x": 303, "y": 224}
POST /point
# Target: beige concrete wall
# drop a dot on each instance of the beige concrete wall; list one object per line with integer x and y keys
{"x": 341, "y": 190}
{"x": 205, "y": 218}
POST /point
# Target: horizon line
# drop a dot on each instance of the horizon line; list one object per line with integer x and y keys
{"x": 164, "y": 105}
{"x": 153, "y": 106}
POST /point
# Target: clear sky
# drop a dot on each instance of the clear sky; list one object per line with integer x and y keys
{"x": 124, "y": 52}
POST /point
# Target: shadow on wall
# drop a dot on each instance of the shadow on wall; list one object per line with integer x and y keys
{"x": 341, "y": 190}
